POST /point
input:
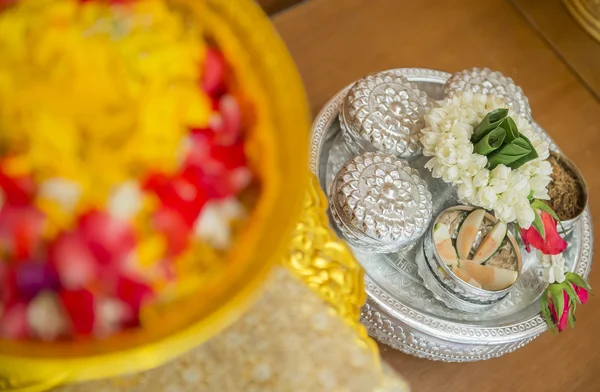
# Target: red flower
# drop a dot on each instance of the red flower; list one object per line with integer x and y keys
{"x": 109, "y": 240}
{"x": 79, "y": 305}
{"x": 567, "y": 295}
{"x": 21, "y": 229}
{"x": 552, "y": 245}
{"x": 561, "y": 323}
{"x": 581, "y": 292}
{"x": 18, "y": 191}
{"x": 213, "y": 73}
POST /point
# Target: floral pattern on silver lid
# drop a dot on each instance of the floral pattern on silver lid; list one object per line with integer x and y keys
{"x": 378, "y": 201}
{"x": 384, "y": 112}
{"x": 486, "y": 81}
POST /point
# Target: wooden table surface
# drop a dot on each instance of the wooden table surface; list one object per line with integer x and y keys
{"x": 337, "y": 41}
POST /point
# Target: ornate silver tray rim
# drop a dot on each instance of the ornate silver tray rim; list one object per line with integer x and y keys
{"x": 453, "y": 331}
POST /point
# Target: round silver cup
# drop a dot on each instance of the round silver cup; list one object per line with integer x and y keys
{"x": 449, "y": 288}
{"x": 568, "y": 224}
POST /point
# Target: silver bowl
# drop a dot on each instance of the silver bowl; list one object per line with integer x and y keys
{"x": 462, "y": 296}
{"x": 570, "y": 166}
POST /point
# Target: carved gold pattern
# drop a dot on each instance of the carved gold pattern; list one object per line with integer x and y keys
{"x": 587, "y": 14}
{"x": 326, "y": 264}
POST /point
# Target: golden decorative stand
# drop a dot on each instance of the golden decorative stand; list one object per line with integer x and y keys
{"x": 291, "y": 339}
{"x": 587, "y": 14}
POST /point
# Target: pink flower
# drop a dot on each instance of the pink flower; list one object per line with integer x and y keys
{"x": 561, "y": 323}
{"x": 581, "y": 293}
{"x": 552, "y": 245}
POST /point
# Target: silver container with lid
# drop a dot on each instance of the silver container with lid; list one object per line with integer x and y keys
{"x": 384, "y": 112}
{"x": 380, "y": 203}
{"x": 486, "y": 81}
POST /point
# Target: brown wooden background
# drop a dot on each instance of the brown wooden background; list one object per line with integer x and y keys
{"x": 536, "y": 43}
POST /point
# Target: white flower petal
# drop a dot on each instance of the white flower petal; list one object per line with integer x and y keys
{"x": 481, "y": 179}
{"x": 125, "y": 200}
{"x": 213, "y": 223}
{"x": 65, "y": 192}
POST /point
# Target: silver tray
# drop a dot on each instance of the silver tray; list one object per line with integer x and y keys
{"x": 400, "y": 311}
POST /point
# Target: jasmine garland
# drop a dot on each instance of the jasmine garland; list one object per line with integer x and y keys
{"x": 447, "y": 139}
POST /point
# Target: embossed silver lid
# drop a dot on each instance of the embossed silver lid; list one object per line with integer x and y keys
{"x": 384, "y": 112}
{"x": 486, "y": 81}
{"x": 380, "y": 203}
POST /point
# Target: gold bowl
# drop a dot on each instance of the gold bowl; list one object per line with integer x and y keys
{"x": 278, "y": 145}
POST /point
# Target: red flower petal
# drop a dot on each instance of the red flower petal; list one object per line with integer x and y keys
{"x": 231, "y": 121}
{"x": 213, "y": 72}
{"x": 581, "y": 293}
{"x": 181, "y": 193}
{"x": 75, "y": 263}
{"x": 134, "y": 294}
{"x": 110, "y": 240}
{"x": 552, "y": 245}
{"x": 175, "y": 229}
{"x": 13, "y": 323}
{"x": 9, "y": 293}
{"x": 562, "y": 323}
{"x": 231, "y": 157}
{"x": 20, "y": 230}
{"x": 17, "y": 190}
{"x": 79, "y": 305}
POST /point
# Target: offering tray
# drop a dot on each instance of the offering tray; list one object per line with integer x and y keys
{"x": 400, "y": 311}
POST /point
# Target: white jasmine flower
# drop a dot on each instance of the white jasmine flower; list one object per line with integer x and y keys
{"x": 451, "y": 174}
{"x": 482, "y": 178}
{"x": 462, "y": 131}
{"x": 464, "y": 152}
{"x": 539, "y": 186}
{"x": 500, "y": 177}
{"x": 125, "y": 200}
{"x": 437, "y": 168}
{"x": 542, "y": 148}
{"x": 518, "y": 184}
{"x": 523, "y": 125}
{"x": 446, "y": 153}
{"x": 554, "y": 267}
{"x": 536, "y": 167}
{"x": 466, "y": 190}
{"x": 213, "y": 223}
{"x": 446, "y": 125}
{"x": 477, "y": 163}
{"x": 64, "y": 192}
{"x": 435, "y": 116}
{"x": 429, "y": 139}
{"x": 505, "y": 211}
{"x": 486, "y": 197}
{"x": 525, "y": 214}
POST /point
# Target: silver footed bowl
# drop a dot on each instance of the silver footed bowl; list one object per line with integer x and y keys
{"x": 400, "y": 311}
